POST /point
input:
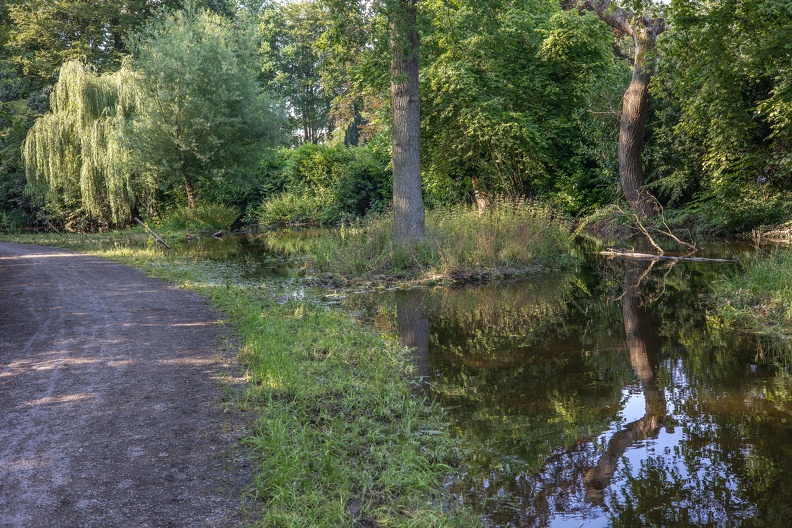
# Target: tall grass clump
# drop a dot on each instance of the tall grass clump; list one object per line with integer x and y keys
{"x": 204, "y": 216}
{"x": 509, "y": 235}
{"x": 759, "y": 296}
{"x": 357, "y": 248}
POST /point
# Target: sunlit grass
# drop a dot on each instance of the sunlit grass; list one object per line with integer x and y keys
{"x": 338, "y": 438}
{"x": 510, "y": 235}
{"x": 759, "y": 296}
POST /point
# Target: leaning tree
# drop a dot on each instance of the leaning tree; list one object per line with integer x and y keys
{"x": 635, "y": 101}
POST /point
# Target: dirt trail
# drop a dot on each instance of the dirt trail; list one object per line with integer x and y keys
{"x": 109, "y": 398}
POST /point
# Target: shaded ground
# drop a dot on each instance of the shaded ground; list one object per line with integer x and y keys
{"x": 110, "y": 409}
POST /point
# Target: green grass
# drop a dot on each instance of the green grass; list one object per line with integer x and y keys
{"x": 759, "y": 296}
{"x": 338, "y": 438}
{"x": 510, "y": 236}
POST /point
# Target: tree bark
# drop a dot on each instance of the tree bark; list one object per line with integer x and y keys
{"x": 191, "y": 193}
{"x": 635, "y": 101}
{"x": 408, "y": 208}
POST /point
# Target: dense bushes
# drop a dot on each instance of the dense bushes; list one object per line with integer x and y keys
{"x": 324, "y": 184}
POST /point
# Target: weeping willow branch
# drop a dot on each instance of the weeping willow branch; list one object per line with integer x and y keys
{"x": 75, "y": 155}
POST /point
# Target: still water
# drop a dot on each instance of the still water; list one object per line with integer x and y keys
{"x": 603, "y": 397}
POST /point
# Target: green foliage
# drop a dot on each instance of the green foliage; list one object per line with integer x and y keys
{"x": 506, "y": 88}
{"x": 202, "y": 118}
{"x": 325, "y": 183}
{"x": 759, "y": 296}
{"x": 293, "y": 65}
{"x": 723, "y": 135}
{"x": 45, "y": 35}
{"x": 202, "y": 217}
{"x": 337, "y": 437}
{"x": 75, "y": 155}
{"x": 183, "y": 119}
{"x": 292, "y": 208}
{"x": 510, "y": 236}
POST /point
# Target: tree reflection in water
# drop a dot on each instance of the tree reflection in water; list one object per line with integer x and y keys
{"x": 605, "y": 399}
{"x": 642, "y": 347}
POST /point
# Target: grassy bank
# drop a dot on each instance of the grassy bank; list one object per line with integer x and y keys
{"x": 339, "y": 440}
{"x": 759, "y": 296}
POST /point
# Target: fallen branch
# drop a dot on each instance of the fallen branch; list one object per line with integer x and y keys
{"x": 649, "y": 256}
{"x": 53, "y": 227}
{"x": 152, "y": 233}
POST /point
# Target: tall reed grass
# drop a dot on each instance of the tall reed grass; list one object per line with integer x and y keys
{"x": 509, "y": 235}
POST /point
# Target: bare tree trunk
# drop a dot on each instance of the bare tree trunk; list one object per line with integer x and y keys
{"x": 635, "y": 102}
{"x": 408, "y": 208}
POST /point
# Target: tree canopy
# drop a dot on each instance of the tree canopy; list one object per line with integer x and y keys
{"x": 183, "y": 115}
{"x": 517, "y": 99}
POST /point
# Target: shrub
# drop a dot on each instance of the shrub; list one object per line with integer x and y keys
{"x": 292, "y": 208}
{"x": 326, "y": 184}
{"x": 204, "y": 216}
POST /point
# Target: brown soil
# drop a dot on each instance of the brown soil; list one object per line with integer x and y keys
{"x": 110, "y": 398}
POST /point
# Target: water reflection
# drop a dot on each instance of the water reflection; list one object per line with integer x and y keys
{"x": 604, "y": 398}
{"x": 413, "y": 328}
{"x": 641, "y": 342}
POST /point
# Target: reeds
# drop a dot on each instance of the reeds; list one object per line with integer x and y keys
{"x": 510, "y": 234}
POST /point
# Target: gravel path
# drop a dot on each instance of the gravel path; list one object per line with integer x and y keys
{"x": 110, "y": 411}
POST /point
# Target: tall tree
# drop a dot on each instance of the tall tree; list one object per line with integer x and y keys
{"x": 358, "y": 22}
{"x": 508, "y": 105}
{"x": 201, "y": 113}
{"x": 47, "y": 34}
{"x": 408, "y": 206}
{"x": 726, "y": 81}
{"x": 293, "y": 64}
{"x": 184, "y": 116}
{"x": 635, "y": 101}
{"x": 38, "y": 37}
{"x": 75, "y": 155}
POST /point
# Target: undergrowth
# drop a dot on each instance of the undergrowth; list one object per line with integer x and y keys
{"x": 511, "y": 234}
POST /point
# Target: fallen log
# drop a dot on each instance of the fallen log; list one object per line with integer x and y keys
{"x": 648, "y": 256}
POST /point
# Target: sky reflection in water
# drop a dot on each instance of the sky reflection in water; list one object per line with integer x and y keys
{"x": 603, "y": 398}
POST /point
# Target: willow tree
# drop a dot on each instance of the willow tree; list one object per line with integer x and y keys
{"x": 75, "y": 156}
{"x": 202, "y": 117}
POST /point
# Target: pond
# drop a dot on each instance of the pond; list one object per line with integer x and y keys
{"x": 603, "y": 396}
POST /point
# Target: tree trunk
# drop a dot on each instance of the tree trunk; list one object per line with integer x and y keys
{"x": 408, "y": 208}
{"x": 635, "y": 107}
{"x": 191, "y": 194}
{"x": 635, "y": 102}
